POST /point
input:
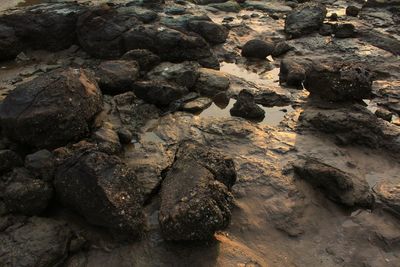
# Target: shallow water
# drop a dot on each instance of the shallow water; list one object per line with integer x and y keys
{"x": 265, "y": 78}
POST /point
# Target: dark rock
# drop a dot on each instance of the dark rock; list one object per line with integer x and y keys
{"x": 246, "y": 107}
{"x": 117, "y": 76}
{"x": 51, "y": 110}
{"x": 37, "y": 242}
{"x": 26, "y": 195}
{"x": 352, "y": 11}
{"x": 211, "y": 82}
{"x": 334, "y": 17}
{"x": 281, "y": 48}
{"x": 304, "y": 19}
{"x": 345, "y": 30}
{"x": 339, "y": 186}
{"x": 221, "y": 100}
{"x": 107, "y": 140}
{"x": 9, "y": 43}
{"x": 384, "y": 114}
{"x": 229, "y": 6}
{"x": 257, "y": 49}
{"x": 381, "y": 40}
{"x": 9, "y": 160}
{"x": 103, "y": 190}
{"x": 292, "y": 73}
{"x": 212, "y": 32}
{"x": 381, "y": 3}
{"x": 206, "y": 2}
{"x": 389, "y": 193}
{"x": 145, "y": 15}
{"x": 41, "y": 164}
{"x": 159, "y": 93}
{"x": 197, "y": 105}
{"x": 146, "y": 59}
{"x": 193, "y": 204}
{"x": 339, "y": 81}
{"x": 125, "y": 136}
{"x": 326, "y": 29}
{"x": 175, "y": 10}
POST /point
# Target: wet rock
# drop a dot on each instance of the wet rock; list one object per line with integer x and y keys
{"x": 51, "y": 110}
{"x": 125, "y": 136}
{"x": 197, "y": 105}
{"x": 117, "y": 76}
{"x": 159, "y": 93}
{"x": 146, "y": 59}
{"x": 212, "y": 32}
{"x": 107, "y": 139}
{"x": 345, "y": 30}
{"x": 292, "y": 73}
{"x": 305, "y": 19}
{"x": 9, "y": 160}
{"x": 25, "y": 194}
{"x": 352, "y": 11}
{"x": 281, "y": 48}
{"x": 246, "y": 107}
{"x": 41, "y": 164}
{"x": 103, "y": 190}
{"x": 193, "y": 204}
{"x": 211, "y": 82}
{"x": 184, "y": 74}
{"x": 384, "y": 114}
{"x": 339, "y": 81}
{"x": 36, "y": 242}
{"x": 257, "y": 49}
{"x": 389, "y": 193}
{"x": 337, "y": 185}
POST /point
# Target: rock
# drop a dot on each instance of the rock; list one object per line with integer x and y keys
{"x": 193, "y": 204}
{"x": 334, "y": 17}
{"x": 246, "y": 107}
{"x": 257, "y": 49}
{"x": 222, "y": 167}
{"x": 9, "y": 160}
{"x": 292, "y": 73}
{"x": 9, "y": 43}
{"x": 145, "y": 15}
{"x": 107, "y": 140}
{"x": 26, "y": 195}
{"x": 326, "y": 29}
{"x": 175, "y": 10}
{"x": 389, "y": 193}
{"x": 268, "y": 7}
{"x": 211, "y": 82}
{"x": 384, "y": 114}
{"x": 381, "y": 40}
{"x": 36, "y": 242}
{"x": 146, "y": 59}
{"x": 206, "y": 2}
{"x": 117, "y": 76}
{"x": 125, "y": 136}
{"x": 352, "y": 11}
{"x": 229, "y": 6}
{"x": 305, "y": 19}
{"x": 381, "y": 3}
{"x": 281, "y": 48}
{"x": 337, "y": 185}
{"x": 158, "y": 92}
{"x": 51, "y": 110}
{"x": 345, "y": 30}
{"x": 103, "y": 190}
{"x": 339, "y": 81}
{"x": 197, "y": 105}
{"x": 184, "y": 74}
{"x": 212, "y": 32}
{"x": 41, "y": 164}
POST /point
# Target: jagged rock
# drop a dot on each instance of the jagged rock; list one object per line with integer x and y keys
{"x": 51, "y": 110}
{"x": 257, "y": 49}
{"x": 345, "y": 30}
{"x": 41, "y": 164}
{"x": 184, "y": 74}
{"x": 107, "y": 139}
{"x": 352, "y": 11}
{"x": 117, "y": 76}
{"x": 25, "y": 194}
{"x": 159, "y": 93}
{"x": 211, "y": 82}
{"x": 389, "y": 193}
{"x": 339, "y": 186}
{"x": 102, "y": 189}
{"x": 146, "y": 59}
{"x": 246, "y": 107}
{"x": 193, "y": 204}
{"x": 212, "y": 32}
{"x": 305, "y": 19}
{"x": 8, "y": 160}
{"x": 339, "y": 81}
{"x": 36, "y": 242}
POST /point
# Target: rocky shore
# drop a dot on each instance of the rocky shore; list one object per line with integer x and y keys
{"x": 200, "y": 133}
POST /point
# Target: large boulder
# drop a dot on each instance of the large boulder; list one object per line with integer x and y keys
{"x": 246, "y": 107}
{"x": 257, "y": 49}
{"x": 51, "y": 110}
{"x": 339, "y": 81}
{"x": 342, "y": 187}
{"x": 102, "y": 189}
{"x": 36, "y": 242}
{"x": 210, "y": 31}
{"x": 305, "y": 19}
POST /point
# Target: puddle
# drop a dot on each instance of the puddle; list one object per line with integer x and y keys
{"x": 273, "y": 115}
{"x": 263, "y": 78}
